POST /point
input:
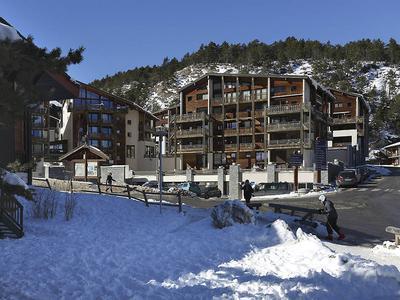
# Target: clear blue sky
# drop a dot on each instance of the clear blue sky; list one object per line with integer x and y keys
{"x": 119, "y": 35}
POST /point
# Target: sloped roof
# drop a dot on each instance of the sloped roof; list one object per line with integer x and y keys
{"x": 9, "y": 32}
{"x": 392, "y": 145}
{"x": 94, "y": 150}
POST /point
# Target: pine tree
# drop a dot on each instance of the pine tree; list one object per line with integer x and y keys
{"x": 22, "y": 64}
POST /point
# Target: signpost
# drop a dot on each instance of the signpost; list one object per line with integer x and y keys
{"x": 296, "y": 160}
{"x": 320, "y": 157}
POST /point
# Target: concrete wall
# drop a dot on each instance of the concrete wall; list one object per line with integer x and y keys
{"x": 288, "y": 176}
{"x": 119, "y": 173}
{"x": 139, "y": 162}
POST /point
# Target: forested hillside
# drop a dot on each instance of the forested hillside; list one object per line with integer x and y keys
{"x": 367, "y": 66}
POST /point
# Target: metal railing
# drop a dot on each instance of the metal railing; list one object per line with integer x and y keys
{"x": 191, "y": 147}
{"x": 246, "y": 146}
{"x": 230, "y": 146}
{"x": 190, "y": 117}
{"x": 275, "y": 109}
{"x": 284, "y": 126}
{"x": 190, "y": 132}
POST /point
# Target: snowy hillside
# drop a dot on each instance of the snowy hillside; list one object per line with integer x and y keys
{"x": 116, "y": 248}
{"x": 164, "y": 93}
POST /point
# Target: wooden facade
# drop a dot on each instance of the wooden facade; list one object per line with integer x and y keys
{"x": 250, "y": 120}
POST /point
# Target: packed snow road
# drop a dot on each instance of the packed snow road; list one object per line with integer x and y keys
{"x": 364, "y": 211}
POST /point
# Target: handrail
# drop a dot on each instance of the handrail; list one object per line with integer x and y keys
{"x": 12, "y": 214}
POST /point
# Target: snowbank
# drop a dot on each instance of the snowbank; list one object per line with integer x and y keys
{"x": 13, "y": 179}
{"x": 380, "y": 170}
{"x": 116, "y": 248}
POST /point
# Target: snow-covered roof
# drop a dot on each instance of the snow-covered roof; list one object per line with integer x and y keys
{"x": 8, "y": 32}
{"x": 392, "y": 145}
{"x": 91, "y": 149}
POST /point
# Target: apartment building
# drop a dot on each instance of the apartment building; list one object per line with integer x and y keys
{"x": 251, "y": 120}
{"x": 349, "y": 128}
{"x": 118, "y": 127}
{"x": 392, "y": 153}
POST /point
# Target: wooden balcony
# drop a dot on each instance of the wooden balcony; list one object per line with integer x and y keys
{"x": 193, "y": 117}
{"x": 97, "y": 108}
{"x": 291, "y": 126}
{"x": 258, "y": 129}
{"x": 246, "y": 147}
{"x": 230, "y": 132}
{"x": 259, "y": 114}
{"x": 245, "y": 99}
{"x": 348, "y": 120}
{"x": 245, "y": 115}
{"x": 216, "y": 101}
{"x": 284, "y": 144}
{"x": 284, "y": 109}
{"x": 230, "y": 147}
{"x": 230, "y": 100}
{"x": 245, "y": 131}
{"x": 191, "y": 148}
{"x": 198, "y": 132}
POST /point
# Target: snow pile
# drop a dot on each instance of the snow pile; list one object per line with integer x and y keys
{"x": 379, "y": 170}
{"x": 231, "y": 212}
{"x": 116, "y": 248}
{"x": 388, "y": 248}
{"x": 13, "y": 179}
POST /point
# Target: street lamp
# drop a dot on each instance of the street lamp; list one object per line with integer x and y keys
{"x": 160, "y": 133}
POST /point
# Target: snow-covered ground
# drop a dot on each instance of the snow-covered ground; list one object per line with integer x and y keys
{"x": 115, "y": 248}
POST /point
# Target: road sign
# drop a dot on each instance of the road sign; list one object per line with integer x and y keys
{"x": 296, "y": 160}
{"x": 320, "y": 154}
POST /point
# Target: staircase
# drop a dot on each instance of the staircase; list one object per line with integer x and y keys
{"x": 11, "y": 218}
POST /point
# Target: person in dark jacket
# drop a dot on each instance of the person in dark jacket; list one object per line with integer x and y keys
{"x": 247, "y": 191}
{"x": 332, "y": 216}
{"x": 109, "y": 181}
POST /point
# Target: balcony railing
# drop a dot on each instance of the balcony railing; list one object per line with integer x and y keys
{"x": 258, "y": 114}
{"x": 218, "y": 117}
{"x": 97, "y": 107}
{"x": 230, "y": 100}
{"x": 259, "y": 129}
{"x": 283, "y": 126}
{"x": 217, "y": 101}
{"x": 245, "y": 114}
{"x": 245, "y": 130}
{"x": 245, "y": 98}
{"x": 284, "y": 143}
{"x": 230, "y": 147}
{"x": 190, "y": 117}
{"x": 191, "y": 148}
{"x": 246, "y": 146}
{"x": 190, "y": 132}
{"x": 279, "y": 109}
{"x": 230, "y": 131}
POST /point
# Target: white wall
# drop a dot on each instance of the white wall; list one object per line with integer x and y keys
{"x": 348, "y": 132}
{"x": 139, "y": 162}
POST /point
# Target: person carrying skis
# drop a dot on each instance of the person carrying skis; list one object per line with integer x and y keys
{"x": 247, "y": 191}
{"x": 109, "y": 181}
{"x": 332, "y": 216}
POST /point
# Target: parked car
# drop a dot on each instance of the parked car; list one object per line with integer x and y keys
{"x": 209, "y": 191}
{"x": 151, "y": 184}
{"x": 347, "y": 178}
{"x": 190, "y": 186}
{"x": 273, "y": 188}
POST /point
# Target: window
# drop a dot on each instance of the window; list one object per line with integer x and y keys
{"x": 201, "y": 96}
{"x": 348, "y": 104}
{"x": 94, "y": 129}
{"x": 129, "y": 122}
{"x": 37, "y": 120}
{"x": 189, "y": 98}
{"x": 129, "y": 134}
{"x": 130, "y": 151}
{"x": 149, "y": 152}
{"x": 93, "y": 117}
{"x": 293, "y": 88}
{"x": 106, "y": 131}
{"x": 37, "y": 133}
{"x": 94, "y": 143}
{"x": 106, "y": 144}
{"x": 37, "y": 148}
{"x": 339, "y": 104}
{"x": 106, "y": 118}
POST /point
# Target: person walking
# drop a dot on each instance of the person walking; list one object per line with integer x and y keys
{"x": 247, "y": 191}
{"x": 332, "y": 216}
{"x": 109, "y": 181}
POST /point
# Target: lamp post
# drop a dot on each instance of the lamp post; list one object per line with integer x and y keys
{"x": 160, "y": 133}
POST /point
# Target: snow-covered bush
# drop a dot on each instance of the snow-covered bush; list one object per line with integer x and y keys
{"x": 69, "y": 206}
{"x": 230, "y": 212}
{"x": 11, "y": 185}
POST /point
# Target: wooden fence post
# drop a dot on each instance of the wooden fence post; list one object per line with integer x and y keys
{"x": 129, "y": 192}
{"x": 145, "y": 198}
{"x": 98, "y": 186}
{"x": 48, "y": 183}
{"x": 180, "y": 202}
{"x": 72, "y": 188}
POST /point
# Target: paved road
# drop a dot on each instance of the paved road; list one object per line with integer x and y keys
{"x": 364, "y": 212}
